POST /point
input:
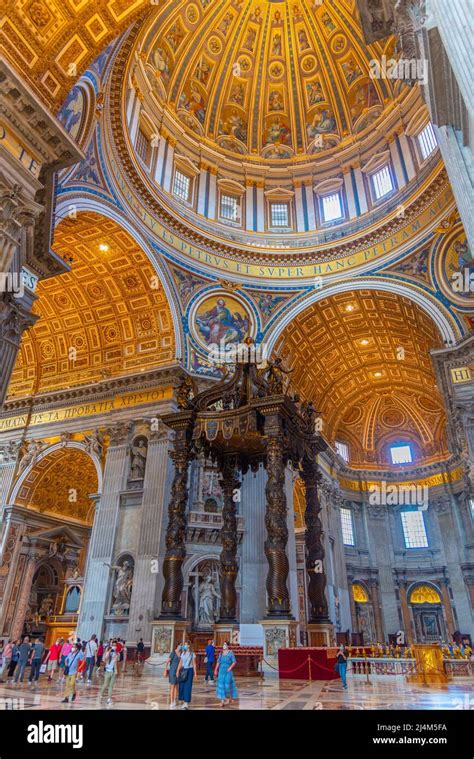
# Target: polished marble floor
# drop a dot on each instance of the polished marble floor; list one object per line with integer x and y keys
{"x": 141, "y": 690}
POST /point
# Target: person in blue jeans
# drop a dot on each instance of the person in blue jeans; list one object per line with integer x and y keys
{"x": 342, "y": 664}
{"x": 24, "y": 650}
{"x": 36, "y": 659}
{"x": 210, "y": 659}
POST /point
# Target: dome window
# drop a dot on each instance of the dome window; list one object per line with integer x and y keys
{"x": 401, "y": 454}
{"x": 182, "y": 186}
{"x": 382, "y": 183}
{"x": 230, "y": 208}
{"x": 279, "y": 215}
{"x": 414, "y": 529}
{"x": 331, "y": 207}
{"x": 427, "y": 142}
{"x": 343, "y": 450}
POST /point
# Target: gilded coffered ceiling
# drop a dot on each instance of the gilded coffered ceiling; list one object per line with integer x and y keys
{"x": 363, "y": 358}
{"x": 108, "y": 316}
{"x": 52, "y": 41}
{"x": 61, "y": 484}
{"x": 273, "y": 79}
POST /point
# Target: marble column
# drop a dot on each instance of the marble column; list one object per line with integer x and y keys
{"x": 160, "y": 153}
{"x": 168, "y": 165}
{"x": 361, "y": 193}
{"x": 318, "y": 607}
{"x": 229, "y": 565}
{"x": 396, "y": 162}
{"x": 405, "y": 613}
{"x": 8, "y": 461}
{"x": 407, "y": 156}
{"x": 290, "y": 477}
{"x": 354, "y": 625}
{"x": 98, "y": 578}
{"x": 133, "y": 114}
{"x": 15, "y": 318}
{"x": 309, "y": 195}
{"x": 249, "y": 207}
{"x": 260, "y": 207}
{"x": 254, "y": 565}
{"x": 176, "y": 530}
{"x": 24, "y": 595}
{"x": 448, "y": 608}
{"x": 202, "y": 190}
{"x": 374, "y": 597}
{"x": 146, "y": 574}
{"x": 278, "y": 597}
{"x": 212, "y": 200}
{"x": 351, "y": 205}
{"x": 299, "y": 210}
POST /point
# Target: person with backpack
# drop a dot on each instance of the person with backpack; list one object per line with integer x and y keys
{"x": 140, "y": 651}
{"x": 75, "y": 656}
{"x": 91, "y": 653}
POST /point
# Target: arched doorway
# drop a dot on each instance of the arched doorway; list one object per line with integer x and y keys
{"x": 365, "y": 620}
{"x": 427, "y": 611}
{"x": 52, "y": 513}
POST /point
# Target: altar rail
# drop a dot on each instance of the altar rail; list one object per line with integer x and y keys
{"x": 249, "y": 660}
{"x": 389, "y": 666}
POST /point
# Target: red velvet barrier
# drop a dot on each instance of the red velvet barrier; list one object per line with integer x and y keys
{"x": 307, "y": 663}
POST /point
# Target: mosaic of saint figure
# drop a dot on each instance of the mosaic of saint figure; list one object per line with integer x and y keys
{"x": 277, "y": 45}
{"x": 70, "y": 114}
{"x": 161, "y": 63}
{"x": 234, "y": 124}
{"x": 194, "y": 103}
{"x": 237, "y": 94}
{"x": 278, "y": 133}
{"x": 303, "y": 40}
{"x": 276, "y": 101}
{"x": 324, "y": 122}
{"x": 220, "y": 325}
{"x": 315, "y": 92}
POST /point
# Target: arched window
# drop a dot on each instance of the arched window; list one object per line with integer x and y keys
{"x": 73, "y": 599}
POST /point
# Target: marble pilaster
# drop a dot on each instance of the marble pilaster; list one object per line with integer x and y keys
{"x": 254, "y": 564}
{"x": 146, "y": 563}
{"x": 97, "y": 584}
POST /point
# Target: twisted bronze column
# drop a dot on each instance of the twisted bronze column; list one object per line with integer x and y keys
{"x": 229, "y": 565}
{"x": 176, "y": 536}
{"x": 314, "y": 551}
{"x": 277, "y": 531}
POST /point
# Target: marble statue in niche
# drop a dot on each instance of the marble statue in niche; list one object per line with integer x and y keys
{"x": 209, "y": 598}
{"x": 203, "y": 595}
{"x": 139, "y": 452}
{"x": 122, "y": 589}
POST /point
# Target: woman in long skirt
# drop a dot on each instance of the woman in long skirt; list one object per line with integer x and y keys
{"x": 226, "y": 689}
{"x": 186, "y": 673}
